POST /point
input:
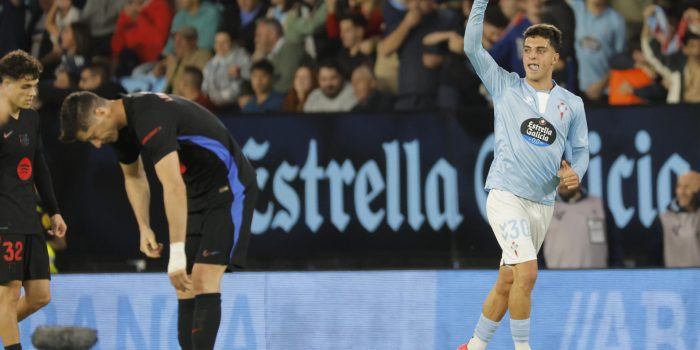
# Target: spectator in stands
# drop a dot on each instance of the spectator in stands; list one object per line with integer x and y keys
{"x": 681, "y": 224}
{"x": 61, "y": 14}
{"x": 354, "y": 52}
{"x": 95, "y": 77}
{"x": 681, "y": 76}
{"x": 508, "y": 51}
{"x": 495, "y": 24}
{"x": 305, "y": 81}
{"x": 141, "y": 33}
{"x": 201, "y": 15}
{"x": 225, "y": 72}
{"x": 75, "y": 51}
{"x": 418, "y": 80}
{"x": 284, "y": 55}
{"x": 298, "y": 20}
{"x": 560, "y": 14}
{"x": 370, "y": 10}
{"x": 514, "y": 10}
{"x": 265, "y": 98}
{"x": 576, "y": 238}
{"x": 101, "y": 18}
{"x": 186, "y": 54}
{"x": 600, "y": 34}
{"x": 333, "y": 93}
{"x": 459, "y": 84}
{"x": 240, "y": 18}
{"x": 364, "y": 86}
{"x": 190, "y": 87}
{"x": 630, "y": 11}
{"x": 632, "y": 79}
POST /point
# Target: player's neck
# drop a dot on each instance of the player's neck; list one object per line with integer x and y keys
{"x": 542, "y": 84}
{"x": 117, "y": 109}
{"x": 12, "y": 109}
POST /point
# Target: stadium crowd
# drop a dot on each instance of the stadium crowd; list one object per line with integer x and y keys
{"x": 341, "y": 55}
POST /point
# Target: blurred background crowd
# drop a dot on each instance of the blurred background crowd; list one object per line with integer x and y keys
{"x": 342, "y": 55}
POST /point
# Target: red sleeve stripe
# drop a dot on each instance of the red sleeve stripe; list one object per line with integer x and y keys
{"x": 151, "y": 134}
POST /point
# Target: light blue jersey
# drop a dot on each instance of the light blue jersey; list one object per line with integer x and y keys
{"x": 528, "y": 144}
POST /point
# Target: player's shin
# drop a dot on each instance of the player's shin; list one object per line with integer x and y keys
{"x": 207, "y": 316}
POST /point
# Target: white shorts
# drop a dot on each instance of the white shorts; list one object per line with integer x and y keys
{"x": 519, "y": 225}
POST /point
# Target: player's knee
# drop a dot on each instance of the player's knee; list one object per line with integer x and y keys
{"x": 526, "y": 278}
{"x": 40, "y": 301}
{"x": 504, "y": 283}
{"x": 202, "y": 283}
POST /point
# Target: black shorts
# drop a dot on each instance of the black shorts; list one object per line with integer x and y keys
{"x": 213, "y": 236}
{"x": 23, "y": 257}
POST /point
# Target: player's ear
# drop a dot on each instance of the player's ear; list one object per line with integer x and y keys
{"x": 101, "y": 111}
{"x": 555, "y": 58}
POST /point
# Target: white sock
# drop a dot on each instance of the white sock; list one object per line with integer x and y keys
{"x": 521, "y": 346}
{"x": 520, "y": 329}
{"x": 476, "y": 344}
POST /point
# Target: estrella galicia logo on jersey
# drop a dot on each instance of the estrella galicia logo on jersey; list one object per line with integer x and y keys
{"x": 24, "y": 169}
{"x": 538, "y": 132}
{"x": 24, "y": 140}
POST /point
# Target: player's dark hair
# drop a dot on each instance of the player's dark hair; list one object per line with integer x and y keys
{"x": 547, "y": 31}
{"x": 76, "y": 112}
{"x": 19, "y": 64}
{"x": 265, "y": 66}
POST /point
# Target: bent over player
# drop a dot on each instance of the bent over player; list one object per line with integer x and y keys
{"x": 209, "y": 212}
{"x": 24, "y": 260}
{"x": 534, "y": 118}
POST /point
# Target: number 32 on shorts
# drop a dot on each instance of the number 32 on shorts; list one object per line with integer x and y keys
{"x": 512, "y": 229}
{"x": 13, "y": 250}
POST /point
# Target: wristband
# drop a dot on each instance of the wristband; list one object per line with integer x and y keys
{"x": 178, "y": 259}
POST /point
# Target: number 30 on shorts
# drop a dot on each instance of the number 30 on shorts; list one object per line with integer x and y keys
{"x": 512, "y": 229}
{"x": 13, "y": 251}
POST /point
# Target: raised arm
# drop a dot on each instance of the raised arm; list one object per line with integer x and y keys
{"x": 175, "y": 199}
{"x": 495, "y": 78}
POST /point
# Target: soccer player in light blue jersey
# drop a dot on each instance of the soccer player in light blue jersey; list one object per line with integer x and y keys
{"x": 534, "y": 119}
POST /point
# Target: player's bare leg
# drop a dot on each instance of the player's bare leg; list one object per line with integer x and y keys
{"x": 495, "y": 306}
{"x": 206, "y": 283}
{"x": 525, "y": 275}
{"x": 37, "y": 294}
{"x": 496, "y": 303}
{"x": 185, "y": 313}
{"x": 9, "y": 297}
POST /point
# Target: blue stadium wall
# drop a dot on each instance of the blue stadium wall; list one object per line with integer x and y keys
{"x": 387, "y": 310}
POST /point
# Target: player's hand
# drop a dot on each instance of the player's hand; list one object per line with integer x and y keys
{"x": 180, "y": 281}
{"x": 567, "y": 176}
{"x": 58, "y": 226}
{"x": 148, "y": 244}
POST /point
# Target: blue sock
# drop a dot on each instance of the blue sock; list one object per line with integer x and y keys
{"x": 485, "y": 329}
{"x": 520, "y": 329}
